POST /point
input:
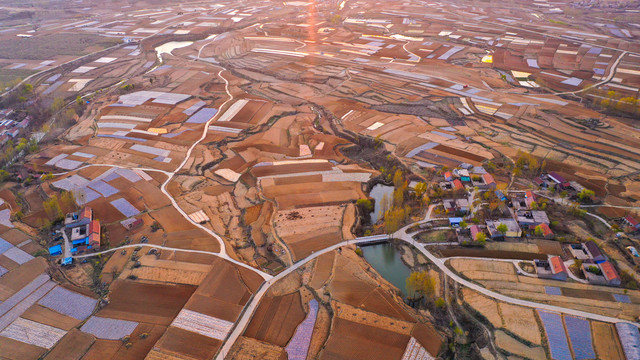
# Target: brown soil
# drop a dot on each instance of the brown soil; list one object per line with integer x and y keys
{"x": 251, "y": 214}
{"x": 140, "y": 346}
{"x": 606, "y": 342}
{"x": 249, "y": 349}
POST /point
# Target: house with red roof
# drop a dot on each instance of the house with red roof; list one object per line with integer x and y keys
{"x": 484, "y": 182}
{"x": 448, "y": 176}
{"x": 632, "y": 222}
{"x": 457, "y": 185}
{"x": 553, "y": 268}
{"x": 610, "y": 274}
{"x": 529, "y": 198}
{"x": 475, "y": 230}
{"x": 546, "y": 231}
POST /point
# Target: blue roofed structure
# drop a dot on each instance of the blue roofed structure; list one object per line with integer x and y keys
{"x": 55, "y": 250}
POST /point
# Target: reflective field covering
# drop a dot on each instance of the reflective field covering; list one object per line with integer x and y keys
{"x": 554, "y": 329}
{"x": 580, "y": 335}
{"x": 299, "y": 344}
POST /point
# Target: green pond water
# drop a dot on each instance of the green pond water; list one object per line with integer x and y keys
{"x": 388, "y": 263}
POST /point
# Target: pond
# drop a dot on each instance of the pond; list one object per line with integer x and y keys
{"x": 383, "y": 195}
{"x": 168, "y": 47}
{"x": 387, "y": 261}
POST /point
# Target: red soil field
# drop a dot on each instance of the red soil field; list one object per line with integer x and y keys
{"x": 142, "y": 302}
{"x": 303, "y": 247}
{"x": 322, "y": 271}
{"x": 458, "y": 152}
{"x": 16, "y": 350}
{"x": 350, "y": 340}
{"x": 140, "y": 347}
{"x": 72, "y": 346}
{"x": 428, "y": 337}
{"x": 276, "y": 319}
{"x": 262, "y": 171}
{"x": 187, "y": 343}
{"x": 382, "y": 303}
{"x": 49, "y": 317}
{"x": 103, "y": 349}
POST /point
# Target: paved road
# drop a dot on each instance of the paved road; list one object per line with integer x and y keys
{"x": 440, "y": 263}
{"x": 599, "y": 218}
{"x": 241, "y": 324}
{"x": 610, "y": 76}
{"x": 264, "y": 275}
{"x": 611, "y": 206}
{"x": 223, "y": 252}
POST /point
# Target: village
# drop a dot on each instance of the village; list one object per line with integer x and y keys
{"x": 319, "y": 180}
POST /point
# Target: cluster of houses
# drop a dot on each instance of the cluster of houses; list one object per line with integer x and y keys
{"x": 80, "y": 233}
{"x": 518, "y": 214}
{"x": 595, "y": 266}
{"x": 631, "y": 223}
{"x": 597, "y": 269}
{"x": 560, "y": 183}
{"x": 466, "y": 174}
{"x": 10, "y": 129}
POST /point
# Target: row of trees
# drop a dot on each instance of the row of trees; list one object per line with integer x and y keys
{"x": 54, "y": 206}
{"x": 527, "y": 164}
{"x": 397, "y": 212}
{"x": 610, "y": 101}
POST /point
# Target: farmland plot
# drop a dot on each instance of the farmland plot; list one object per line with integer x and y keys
{"x": 33, "y": 333}
{"x": 69, "y": 303}
{"x": 202, "y": 324}
{"x": 110, "y": 329}
{"x": 298, "y": 347}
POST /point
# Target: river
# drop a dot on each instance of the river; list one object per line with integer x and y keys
{"x": 387, "y": 261}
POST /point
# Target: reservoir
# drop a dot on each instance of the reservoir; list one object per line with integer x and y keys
{"x": 388, "y": 262}
{"x": 168, "y": 47}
